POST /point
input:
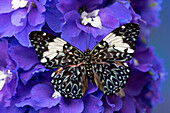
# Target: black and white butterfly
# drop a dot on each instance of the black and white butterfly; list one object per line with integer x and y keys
{"x": 105, "y": 64}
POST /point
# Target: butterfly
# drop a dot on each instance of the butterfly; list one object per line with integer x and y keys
{"x": 105, "y": 64}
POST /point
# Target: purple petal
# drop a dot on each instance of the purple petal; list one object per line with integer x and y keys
{"x": 152, "y": 18}
{"x": 50, "y": 110}
{"x": 135, "y": 17}
{"x": 148, "y": 12}
{"x": 65, "y": 6}
{"x": 12, "y": 85}
{"x": 9, "y": 89}
{"x": 107, "y": 19}
{"x": 7, "y": 29}
{"x": 41, "y": 97}
{"x": 144, "y": 67}
{"x": 152, "y": 59}
{"x": 94, "y": 31}
{"x": 54, "y": 19}
{"x": 121, "y": 12}
{"x": 6, "y": 6}
{"x": 40, "y": 6}
{"x": 107, "y": 107}
{"x": 105, "y": 31}
{"x": 29, "y": 102}
{"x": 42, "y": 2}
{"x": 27, "y": 75}
{"x": 35, "y": 16}
{"x": 11, "y": 109}
{"x": 70, "y": 28}
{"x": 92, "y": 104}
{"x": 19, "y": 17}
{"x": 23, "y": 91}
{"x": 80, "y": 41}
{"x": 98, "y": 94}
{"x": 136, "y": 82}
{"x": 128, "y": 105}
{"x": 3, "y": 53}
{"x": 42, "y": 94}
{"x": 24, "y": 60}
{"x": 22, "y": 36}
{"x": 71, "y": 105}
{"x": 31, "y": 110}
{"x": 91, "y": 88}
{"x": 98, "y": 34}
{"x": 114, "y": 101}
{"x": 143, "y": 52}
{"x": 91, "y": 5}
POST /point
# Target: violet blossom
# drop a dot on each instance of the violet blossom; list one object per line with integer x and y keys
{"x": 25, "y": 85}
{"x": 20, "y": 17}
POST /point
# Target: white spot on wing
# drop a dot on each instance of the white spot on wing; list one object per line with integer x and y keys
{"x": 53, "y": 47}
{"x": 123, "y": 27}
{"x": 43, "y": 60}
{"x": 125, "y": 64}
{"x": 110, "y": 35}
{"x": 44, "y": 34}
{"x": 130, "y": 50}
{"x": 53, "y": 74}
{"x": 51, "y": 56}
{"x": 117, "y": 41}
{"x": 59, "y": 39}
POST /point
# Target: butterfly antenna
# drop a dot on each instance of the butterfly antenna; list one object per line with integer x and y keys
{"x": 86, "y": 35}
{"x": 90, "y": 38}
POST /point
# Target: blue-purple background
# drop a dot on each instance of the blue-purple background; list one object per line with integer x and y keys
{"x": 160, "y": 39}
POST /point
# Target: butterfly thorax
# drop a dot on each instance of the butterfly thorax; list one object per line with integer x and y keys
{"x": 87, "y": 58}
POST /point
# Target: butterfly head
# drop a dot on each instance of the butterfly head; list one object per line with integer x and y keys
{"x": 87, "y": 50}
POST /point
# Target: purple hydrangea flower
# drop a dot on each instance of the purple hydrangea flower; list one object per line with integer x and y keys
{"x": 149, "y": 10}
{"x": 8, "y": 76}
{"x": 29, "y": 62}
{"x": 19, "y": 18}
{"x": 25, "y": 85}
{"x": 67, "y": 19}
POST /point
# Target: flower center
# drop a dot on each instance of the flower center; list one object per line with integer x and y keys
{"x": 19, "y": 4}
{"x": 153, "y": 4}
{"x": 4, "y": 77}
{"x": 91, "y": 18}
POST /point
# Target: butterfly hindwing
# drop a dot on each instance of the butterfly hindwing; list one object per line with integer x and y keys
{"x": 110, "y": 77}
{"x": 119, "y": 45}
{"x": 54, "y": 52}
{"x": 71, "y": 81}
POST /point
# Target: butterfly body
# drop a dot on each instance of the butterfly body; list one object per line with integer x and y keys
{"x": 105, "y": 64}
{"x": 88, "y": 64}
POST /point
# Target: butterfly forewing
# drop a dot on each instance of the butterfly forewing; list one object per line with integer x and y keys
{"x": 119, "y": 45}
{"x": 71, "y": 81}
{"x": 54, "y": 52}
{"x": 110, "y": 77}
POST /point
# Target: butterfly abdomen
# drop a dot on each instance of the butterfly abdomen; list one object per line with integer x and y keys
{"x": 87, "y": 58}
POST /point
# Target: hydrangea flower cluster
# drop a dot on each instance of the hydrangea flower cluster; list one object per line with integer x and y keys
{"x": 25, "y": 84}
